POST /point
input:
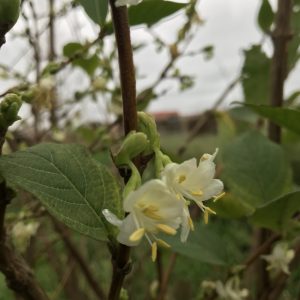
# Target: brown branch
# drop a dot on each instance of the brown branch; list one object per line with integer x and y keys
{"x": 62, "y": 231}
{"x": 262, "y": 249}
{"x": 19, "y": 276}
{"x": 121, "y": 255}
{"x": 159, "y": 268}
{"x": 51, "y": 58}
{"x": 127, "y": 73}
{"x": 166, "y": 277}
{"x": 279, "y": 68}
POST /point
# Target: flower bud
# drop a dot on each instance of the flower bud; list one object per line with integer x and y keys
{"x": 134, "y": 144}
{"x": 147, "y": 125}
{"x": 9, "y": 109}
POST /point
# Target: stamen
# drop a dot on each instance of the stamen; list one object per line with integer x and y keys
{"x": 151, "y": 212}
{"x": 191, "y": 224}
{"x": 137, "y": 235}
{"x": 166, "y": 229}
{"x": 206, "y": 215}
{"x": 181, "y": 178}
{"x": 216, "y": 198}
{"x": 199, "y": 193}
{"x": 210, "y": 210}
{"x": 154, "y": 251}
{"x": 163, "y": 243}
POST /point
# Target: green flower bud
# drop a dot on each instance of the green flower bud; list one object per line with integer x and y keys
{"x": 28, "y": 96}
{"x": 51, "y": 68}
{"x": 9, "y": 14}
{"x": 9, "y": 109}
{"x": 134, "y": 144}
{"x": 147, "y": 125}
{"x": 134, "y": 181}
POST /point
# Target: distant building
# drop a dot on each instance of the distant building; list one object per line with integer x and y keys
{"x": 171, "y": 121}
{"x": 168, "y": 121}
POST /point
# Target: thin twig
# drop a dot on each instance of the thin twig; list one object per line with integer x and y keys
{"x": 262, "y": 249}
{"x": 167, "y": 276}
{"x": 279, "y": 68}
{"x": 62, "y": 231}
{"x": 201, "y": 122}
{"x": 19, "y": 276}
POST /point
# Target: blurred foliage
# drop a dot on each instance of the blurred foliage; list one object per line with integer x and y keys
{"x": 261, "y": 178}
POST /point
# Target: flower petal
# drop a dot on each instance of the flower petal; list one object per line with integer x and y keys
{"x": 111, "y": 218}
{"x": 126, "y": 230}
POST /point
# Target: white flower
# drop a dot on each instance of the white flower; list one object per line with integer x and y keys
{"x": 194, "y": 182}
{"x": 126, "y": 2}
{"x": 152, "y": 208}
{"x": 229, "y": 291}
{"x": 279, "y": 259}
{"x": 22, "y": 233}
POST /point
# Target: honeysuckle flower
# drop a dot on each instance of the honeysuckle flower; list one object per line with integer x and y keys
{"x": 194, "y": 181}
{"x": 227, "y": 291}
{"x": 22, "y": 233}
{"x": 151, "y": 209}
{"x": 126, "y": 2}
{"x": 279, "y": 259}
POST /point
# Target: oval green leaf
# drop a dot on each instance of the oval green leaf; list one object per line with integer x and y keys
{"x": 71, "y": 185}
{"x": 255, "y": 169}
{"x": 95, "y": 9}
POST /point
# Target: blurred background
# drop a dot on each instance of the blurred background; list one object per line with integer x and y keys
{"x": 195, "y": 63}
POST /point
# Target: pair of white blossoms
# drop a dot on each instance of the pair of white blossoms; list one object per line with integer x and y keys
{"x": 161, "y": 205}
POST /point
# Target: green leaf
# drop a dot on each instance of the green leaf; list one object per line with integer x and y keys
{"x": 278, "y": 214}
{"x": 88, "y": 63}
{"x": 265, "y": 16}
{"x": 72, "y": 186}
{"x": 231, "y": 207}
{"x": 256, "y": 74}
{"x": 151, "y": 11}
{"x": 95, "y": 9}
{"x": 284, "y": 117}
{"x": 72, "y": 48}
{"x": 202, "y": 245}
{"x": 255, "y": 169}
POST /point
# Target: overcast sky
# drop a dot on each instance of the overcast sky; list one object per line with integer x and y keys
{"x": 229, "y": 25}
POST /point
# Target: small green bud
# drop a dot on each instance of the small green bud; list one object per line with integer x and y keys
{"x": 134, "y": 144}
{"x": 28, "y": 96}
{"x": 9, "y": 109}
{"x": 51, "y": 68}
{"x": 134, "y": 181}
{"x": 147, "y": 125}
{"x": 160, "y": 160}
{"x": 124, "y": 294}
